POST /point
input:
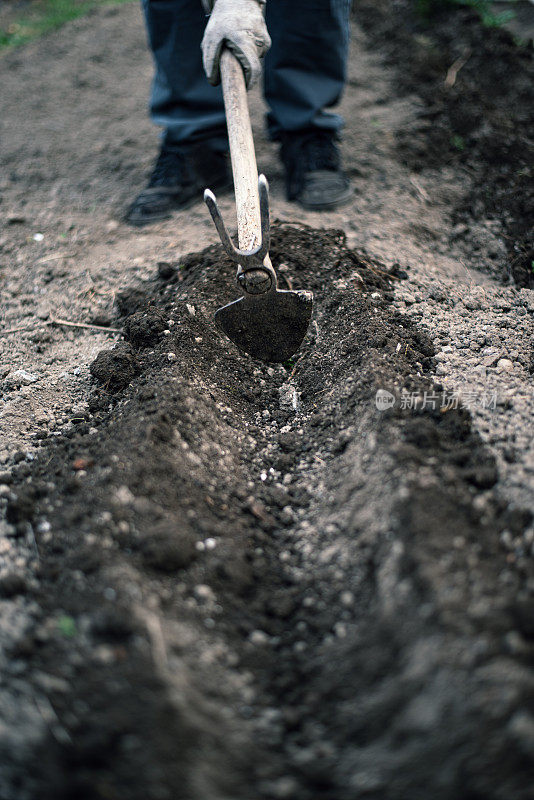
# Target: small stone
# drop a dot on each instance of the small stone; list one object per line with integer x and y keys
{"x": 51, "y": 683}
{"x": 78, "y": 413}
{"x": 491, "y": 360}
{"x": 472, "y": 303}
{"x": 104, "y": 654}
{"x": 340, "y": 629}
{"x": 21, "y": 377}
{"x": 258, "y": 638}
{"x": 171, "y": 356}
{"x": 347, "y": 598}
{"x": 505, "y": 365}
{"x": 123, "y": 496}
{"x": 288, "y": 397}
{"x": 204, "y": 593}
{"x": 82, "y": 463}
{"x": 287, "y": 516}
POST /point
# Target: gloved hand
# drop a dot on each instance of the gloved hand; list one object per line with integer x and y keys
{"x": 240, "y": 26}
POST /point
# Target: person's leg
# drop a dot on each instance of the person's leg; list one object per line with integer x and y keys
{"x": 305, "y": 73}
{"x": 182, "y": 101}
{"x": 305, "y": 69}
{"x": 188, "y": 108}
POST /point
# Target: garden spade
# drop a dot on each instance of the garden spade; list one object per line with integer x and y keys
{"x": 267, "y": 323}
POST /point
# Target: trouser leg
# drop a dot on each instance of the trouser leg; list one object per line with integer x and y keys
{"x": 305, "y": 69}
{"x": 183, "y": 102}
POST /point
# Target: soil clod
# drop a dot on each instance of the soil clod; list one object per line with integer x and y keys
{"x": 144, "y": 328}
{"x": 114, "y": 369}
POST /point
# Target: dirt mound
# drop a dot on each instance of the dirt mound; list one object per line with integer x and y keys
{"x": 477, "y": 86}
{"x": 261, "y": 584}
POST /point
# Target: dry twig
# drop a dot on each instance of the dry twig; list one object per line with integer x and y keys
{"x": 55, "y": 257}
{"x": 63, "y": 322}
{"x": 67, "y": 324}
{"x": 454, "y": 69}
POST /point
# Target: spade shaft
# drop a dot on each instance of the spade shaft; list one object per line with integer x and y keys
{"x": 243, "y": 156}
{"x": 242, "y": 152}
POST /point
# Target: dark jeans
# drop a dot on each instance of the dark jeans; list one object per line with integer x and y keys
{"x": 305, "y": 69}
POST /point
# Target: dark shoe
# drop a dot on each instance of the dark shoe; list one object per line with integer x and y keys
{"x": 179, "y": 178}
{"x": 314, "y": 177}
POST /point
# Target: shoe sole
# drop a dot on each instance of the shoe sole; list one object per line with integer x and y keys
{"x": 342, "y": 201}
{"x": 142, "y": 222}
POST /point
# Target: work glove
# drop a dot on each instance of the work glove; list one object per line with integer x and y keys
{"x": 240, "y": 26}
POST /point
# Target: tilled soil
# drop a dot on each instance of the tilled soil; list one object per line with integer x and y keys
{"x": 223, "y": 579}
{"x": 276, "y": 589}
{"x": 477, "y": 85}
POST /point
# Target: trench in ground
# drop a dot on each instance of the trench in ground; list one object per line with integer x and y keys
{"x": 252, "y": 582}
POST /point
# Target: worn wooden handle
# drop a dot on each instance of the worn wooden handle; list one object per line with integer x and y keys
{"x": 244, "y": 167}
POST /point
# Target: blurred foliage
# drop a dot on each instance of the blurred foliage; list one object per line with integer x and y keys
{"x": 67, "y": 626}
{"x": 23, "y": 21}
{"x": 426, "y": 8}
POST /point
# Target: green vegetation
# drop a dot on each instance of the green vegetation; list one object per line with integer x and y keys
{"x": 458, "y": 142}
{"x": 67, "y": 627}
{"x": 25, "y": 22}
{"x": 428, "y": 7}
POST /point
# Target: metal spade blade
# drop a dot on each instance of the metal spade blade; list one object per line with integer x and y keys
{"x": 267, "y": 323}
{"x": 268, "y": 326}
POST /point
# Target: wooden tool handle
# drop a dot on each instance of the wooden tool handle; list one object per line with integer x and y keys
{"x": 242, "y": 153}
